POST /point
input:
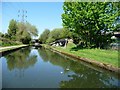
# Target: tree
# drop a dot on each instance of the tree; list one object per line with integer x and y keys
{"x": 58, "y": 33}
{"x": 25, "y": 32}
{"x": 65, "y": 33}
{"x": 12, "y": 29}
{"x": 31, "y": 29}
{"x": 44, "y": 36}
{"x": 91, "y": 20}
{"x": 1, "y": 34}
{"x": 54, "y": 35}
{"x": 117, "y": 28}
{"x": 6, "y": 35}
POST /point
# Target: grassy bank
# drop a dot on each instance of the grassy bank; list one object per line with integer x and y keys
{"x": 103, "y": 56}
{"x": 6, "y": 42}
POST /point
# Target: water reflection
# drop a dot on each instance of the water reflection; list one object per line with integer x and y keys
{"x": 54, "y": 58}
{"x": 20, "y": 59}
{"x": 83, "y": 76}
{"x": 41, "y": 68}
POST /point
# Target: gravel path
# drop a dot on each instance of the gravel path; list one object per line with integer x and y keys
{"x": 10, "y": 47}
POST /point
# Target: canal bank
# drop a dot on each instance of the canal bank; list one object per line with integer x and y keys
{"x": 10, "y": 48}
{"x": 87, "y": 60}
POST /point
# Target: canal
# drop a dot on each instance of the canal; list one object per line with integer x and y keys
{"x": 41, "y": 68}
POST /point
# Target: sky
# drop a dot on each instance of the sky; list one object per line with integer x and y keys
{"x": 44, "y": 15}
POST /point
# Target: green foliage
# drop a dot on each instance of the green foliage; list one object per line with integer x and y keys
{"x": 50, "y": 39}
{"x": 8, "y": 42}
{"x": 59, "y": 33}
{"x": 6, "y": 35}
{"x": 26, "y": 31}
{"x": 25, "y": 38}
{"x": 1, "y": 34}
{"x": 12, "y": 29}
{"x": 44, "y": 36}
{"x": 91, "y": 21}
{"x": 65, "y": 33}
{"x": 117, "y": 28}
{"x": 31, "y": 29}
{"x": 54, "y": 34}
{"x": 19, "y": 31}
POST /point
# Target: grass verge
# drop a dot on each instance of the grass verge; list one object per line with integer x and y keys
{"x": 103, "y": 56}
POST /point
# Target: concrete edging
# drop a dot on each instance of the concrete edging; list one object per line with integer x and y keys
{"x": 11, "y": 49}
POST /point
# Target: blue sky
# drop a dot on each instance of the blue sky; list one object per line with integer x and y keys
{"x": 44, "y": 15}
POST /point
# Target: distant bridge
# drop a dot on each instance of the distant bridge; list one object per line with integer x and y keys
{"x": 36, "y": 42}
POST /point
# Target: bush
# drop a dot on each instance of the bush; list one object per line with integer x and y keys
{"x": 7, "y": 42}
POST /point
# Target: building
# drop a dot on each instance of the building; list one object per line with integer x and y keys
{"x": 116, "y": 41}
{"x": 61, "y": 42}
{"x": 36, "y": 42}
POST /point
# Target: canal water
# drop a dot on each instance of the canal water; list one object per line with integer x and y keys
{"x": 41, "y": 68}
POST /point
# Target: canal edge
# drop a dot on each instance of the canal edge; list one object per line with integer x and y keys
{"x": 93, "y": 62}
{"x": 2, "y": 51}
